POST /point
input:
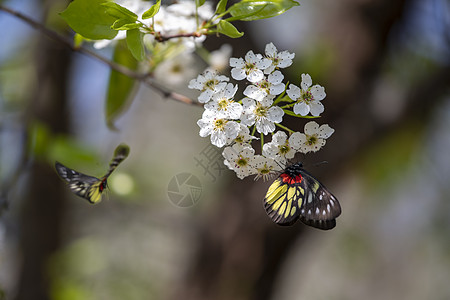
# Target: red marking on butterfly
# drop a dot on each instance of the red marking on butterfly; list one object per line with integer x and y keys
{"x": 291, "y": 180}
{"x": 102, "y": 185}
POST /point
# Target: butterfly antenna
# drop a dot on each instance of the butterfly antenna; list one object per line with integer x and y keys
{"x": 320, "y": 163}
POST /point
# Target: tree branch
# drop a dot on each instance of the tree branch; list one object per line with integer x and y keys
{"x": 144, "y": 78}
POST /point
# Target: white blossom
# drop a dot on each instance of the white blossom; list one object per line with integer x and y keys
{"x": 250, "y": 68}
{"x": 265, "y": 167}
{"x": 187, "y": 8}
{"x": 308, "y": 98}
{"x": 223, "y": 105}
{"x": 176, "y": 70}
{"x": 280, "y": 148}
{"x": 218, "y": 59}
{"x": 209, "y": 83}
{"x": 220, "y": 129}
{"x": 314, "y": 137}
{"x": 244, "y": 137}
{"x": 239, "y": 159}
{"x": 272, "y": 85}
{"x": 262, "y": 113}
{"x": 278, "y": 59}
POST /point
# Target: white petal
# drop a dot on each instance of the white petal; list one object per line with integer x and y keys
{"x": 311, "y": 128}
{"x": 279, "y": 138}
{"x": 316, "y": 108}
{"x": 234, "y": 110}
{"x": 270, "y": 150}
{"x": 222, "y": 78}
{"x": 194, "y": 84}
{"x": 293, "y": 92}
{"x": 255, "y": 76}
{"x": 290, "y": 154}
{"x": 254, "y": 92}
{"x": 218, "y": 138}
{"x": 276, "y": 89}
{"x": 296, "y": 139}
{"x": 248, "y": 103}
{"x": 230, "y": 90}
{"x": 247, "y": 152}
{"x": 251, "y": 57}
{"x": 285, "y": 55}
{"x": 229, "y": 153}
{"x": 276, "y": 77}
{"x": 205, "y": 96}
{"x": 228, "y": 164}
{"x": 275, "y": 114}
{"x": 325, "y": 131}
{"x": 301, "y": 108}
{"x": 318, "y": 144}
{"x": 237, "y": 62}
{"x": 269, "y": 69}
{"x": 238, "y": 74}
{"x": 267, "y": 100}
{"x": 270, "y": 49}
{"x": 306, "y": 81}
{"x": 248, "y": 119}
{"x": 220, "y": 87}
{"x": 318, "y": 92}
{"x": 232, "y": 129}
{"x": 263, "y": 63}
{"x": 265, "y": 126}
{"x": 204, "y": 130}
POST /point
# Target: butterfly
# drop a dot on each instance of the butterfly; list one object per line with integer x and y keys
{"x": 89, "y": 187}
{"x": 296, "y": 194}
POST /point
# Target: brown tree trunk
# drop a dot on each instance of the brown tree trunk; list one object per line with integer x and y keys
{"x": 43, "y": 206}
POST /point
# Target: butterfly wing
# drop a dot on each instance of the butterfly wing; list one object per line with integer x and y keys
{"x": 80, "y": 184}
{"x": 282, "y": 202}
{"x": 120, "y": 153}
{"x": 320, "y": 208}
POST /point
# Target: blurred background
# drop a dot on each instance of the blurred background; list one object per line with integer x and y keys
{"x": 385, "y": 66}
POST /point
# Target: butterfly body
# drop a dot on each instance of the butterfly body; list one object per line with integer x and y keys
{"x": 296, "y": 194}
{"x": 89, "y": 187}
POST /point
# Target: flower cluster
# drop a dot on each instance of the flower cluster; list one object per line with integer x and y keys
{"x": 234, "y": 121}
{"x": 174, "y": 19}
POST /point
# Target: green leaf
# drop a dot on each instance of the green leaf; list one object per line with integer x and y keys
{"x": 125, "y": 24}
{"x": 250, "y": 10}
{"x": 221, "y": 7}
{"x": 199, "y": 2}
{"x": 152, "y": 11}
{"x": 228, "y": 29}
{"x": 291, "y": 113}
{"x": 136, "y": 44}
{"x": 119, "y": 12}
{"x": 89, "y": 18}
{"x": 121, "y": 87}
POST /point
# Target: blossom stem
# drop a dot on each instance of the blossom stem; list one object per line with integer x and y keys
{"x": 288, "y": 106}
{"x": 262, "y": 141}
{"x": 144, "y": 78}
{"x": 284, "y": 127}
{"x": 253, "y": 130}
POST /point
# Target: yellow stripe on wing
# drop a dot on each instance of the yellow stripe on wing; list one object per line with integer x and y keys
{"x": 94, "y": 194}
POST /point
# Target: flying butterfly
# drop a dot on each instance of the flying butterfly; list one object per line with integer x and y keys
{"x": 89, "y": 187}
{"x": 296, "y": 194}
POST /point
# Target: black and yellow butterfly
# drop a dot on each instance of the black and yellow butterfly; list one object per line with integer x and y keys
{"x": 89, "y": 187}
{"x": 297, "y": 194}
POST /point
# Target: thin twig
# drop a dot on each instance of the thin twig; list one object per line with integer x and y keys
{"x": 116, "y": 67}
